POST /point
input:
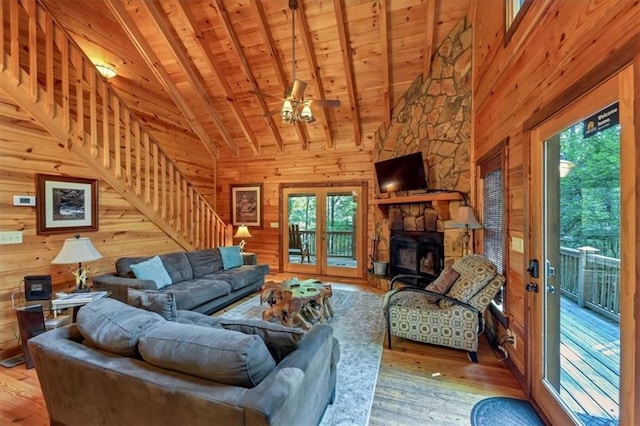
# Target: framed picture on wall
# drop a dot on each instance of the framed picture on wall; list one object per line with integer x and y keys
{"x": 246, "y": 205}
{"x": 66, "y": 204}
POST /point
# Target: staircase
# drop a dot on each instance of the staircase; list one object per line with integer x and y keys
{"x": 59, "y": 86}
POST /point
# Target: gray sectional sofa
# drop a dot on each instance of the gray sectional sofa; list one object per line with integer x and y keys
{"x": 121, "y": 365}
{"x": 199, "y": 280}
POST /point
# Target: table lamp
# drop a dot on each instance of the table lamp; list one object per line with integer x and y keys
{"x": 467, "y": 220}
{"x": 78, "y": 250}
{"x": 242, "y": 232}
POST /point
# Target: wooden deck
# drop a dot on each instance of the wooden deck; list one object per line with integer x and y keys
{"x": 590, "y": 364}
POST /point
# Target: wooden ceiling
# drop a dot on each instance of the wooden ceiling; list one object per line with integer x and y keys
{"x": 188, "y": 67}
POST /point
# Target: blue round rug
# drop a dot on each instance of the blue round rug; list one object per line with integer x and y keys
{"x": 504, "y": 411}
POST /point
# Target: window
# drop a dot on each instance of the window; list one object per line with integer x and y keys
{"x": 514, "y": 10}
{"x": 492, "y": 190}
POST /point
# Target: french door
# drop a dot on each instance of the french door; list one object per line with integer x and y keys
{"x": 582, "y": 295}
{"x": 326, "y": 222}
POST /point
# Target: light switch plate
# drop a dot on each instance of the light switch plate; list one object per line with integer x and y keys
{"x": 275, "y": 225}
{"x": 11, "y": 237}
{"x": 517, "y": 244}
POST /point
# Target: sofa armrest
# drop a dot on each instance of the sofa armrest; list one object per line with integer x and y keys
{"x": 303, "y": 379}
{"x": 120, "y": 286}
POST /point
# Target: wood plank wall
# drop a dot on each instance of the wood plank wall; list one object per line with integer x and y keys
{"x": 316, "y": 165}
{"x": 557, "y": 46}
{"x": 27, "y": 149}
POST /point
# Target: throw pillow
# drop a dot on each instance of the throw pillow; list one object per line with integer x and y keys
{"x": 223, "y": 356}
{"x": 443, "y": 283}
{"x": 114, "y": 326}
{"x": 231, "y": 257}
{"x": 280, "y": 340}
{"x": 154, "y": 270}
{"x": 163, "y": 304}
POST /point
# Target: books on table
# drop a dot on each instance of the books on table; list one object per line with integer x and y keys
{"x": 76, "y": 299}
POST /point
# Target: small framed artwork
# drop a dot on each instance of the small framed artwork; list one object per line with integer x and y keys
{"x": 246, "y": 205}
{"x": 66, "y": 204}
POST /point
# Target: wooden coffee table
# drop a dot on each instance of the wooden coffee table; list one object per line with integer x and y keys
{"x": 297, "y": 303}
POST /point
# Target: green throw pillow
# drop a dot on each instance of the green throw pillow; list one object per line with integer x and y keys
{"x": 152, "y": 269}
{"x": 231, "y": 257}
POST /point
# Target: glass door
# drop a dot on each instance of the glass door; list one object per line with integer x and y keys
{"x": 323, "y": 230}
{"x": 577, "y": 270}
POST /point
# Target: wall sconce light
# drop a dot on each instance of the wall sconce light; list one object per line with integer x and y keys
{"x": 106, "y": 70}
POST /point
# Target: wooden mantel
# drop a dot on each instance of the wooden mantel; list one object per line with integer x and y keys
{"x": 438, "y": 200}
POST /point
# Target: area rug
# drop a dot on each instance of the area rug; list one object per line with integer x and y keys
{"x": 504, "y": 411}
{"x": 359, "y": 327}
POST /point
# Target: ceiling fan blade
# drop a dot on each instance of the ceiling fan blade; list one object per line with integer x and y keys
{"x": 326, "y": 103}
{"x": 297, "y": 91}
{"x": 272, "y": 112}
{"x": 263, "y": 94}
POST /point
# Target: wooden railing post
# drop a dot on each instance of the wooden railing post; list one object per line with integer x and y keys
{"x": 582, "y": 264}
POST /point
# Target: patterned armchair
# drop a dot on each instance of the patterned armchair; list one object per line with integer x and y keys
{"x": 449, "y": 311}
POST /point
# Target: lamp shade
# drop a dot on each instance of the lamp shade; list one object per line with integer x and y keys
{"x": 242, "y": 232}
{"x": 465, "y": 218}
{"x": 77, "y": 250}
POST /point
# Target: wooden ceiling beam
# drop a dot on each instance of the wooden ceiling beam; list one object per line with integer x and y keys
{"x": 159, "y": 20}
{"x": 207, "y": 56}
{"x": 313, "y": 65}
{"x": 143, "y": 47}
{"x": 258, "y": 11}
{"x": 348, "y": 68}
{"x": 244, "y": 65}
{"x": 429, "y": 29}
{"x": 386, "y": 74}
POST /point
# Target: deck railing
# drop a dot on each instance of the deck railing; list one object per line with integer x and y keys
{"x": 339, "y": 243}
{"x": 591, "y": 280}
{"x": 48, "y": 75}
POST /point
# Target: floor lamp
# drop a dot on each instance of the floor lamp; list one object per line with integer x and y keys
{"x": 466, "y": 220}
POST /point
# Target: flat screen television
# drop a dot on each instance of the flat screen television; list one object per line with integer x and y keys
{"x": 404, "y": 173}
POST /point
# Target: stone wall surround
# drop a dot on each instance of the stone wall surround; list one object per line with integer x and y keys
{"x": 433, "y": 117}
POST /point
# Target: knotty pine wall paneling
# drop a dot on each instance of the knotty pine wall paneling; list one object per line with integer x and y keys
{"x": 558, "y": 46}
{"x": 27, "y": 149}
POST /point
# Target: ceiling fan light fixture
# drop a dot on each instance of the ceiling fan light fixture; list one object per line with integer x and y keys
{"x": 307, "y": 115}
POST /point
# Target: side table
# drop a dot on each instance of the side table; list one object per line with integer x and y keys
{"x": 249, "y": 258}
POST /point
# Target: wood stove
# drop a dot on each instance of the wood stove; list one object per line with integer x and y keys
{"x": 417, "y": 252}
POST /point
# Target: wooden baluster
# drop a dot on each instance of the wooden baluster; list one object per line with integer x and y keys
{"x": 117, "y": 144}
{"x": 138, "y": 150}
{"x": 147, "y": 177}
{"x": 49, "y": 65}
{"x": 93, "y": 113}
{"x": 172, "y": 218}
{"x": 79, "y": 95}
{"x": 106, "y": 144}
{"x": 156, "y": 183}
{"x": 178, "y": 221}
{"x": 33, "y": 49}
{"x": 64, "y": 63}
{"x": 164, "y": 186}
{"x": 127, "y": 147}
{"x": 3, "y": 62}
{"x": 192, "y": 216}
{"x": 14, "y": 60}
{"x": 185, "y": 209}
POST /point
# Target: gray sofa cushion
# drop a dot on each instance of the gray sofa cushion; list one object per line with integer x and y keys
{"x": 280, "y": 340}
{"x": 178, "y": 266}
{"x": 204, "y": 262}
{"x": 240, "y": 277}
{"x": 163, "y": 304}
{"x": 196, "y": 318}
{"x": 115, "y": 326}
{"x": 192, "y": 293}
{"x": 224, "y": 356}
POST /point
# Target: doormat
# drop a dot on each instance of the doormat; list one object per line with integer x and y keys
{"x": 504, "y": 411}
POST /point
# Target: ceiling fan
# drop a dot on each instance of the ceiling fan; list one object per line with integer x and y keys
{"x": 294, "y": 106}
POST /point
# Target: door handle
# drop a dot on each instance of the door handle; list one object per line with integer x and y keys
{"x": 533, "y": 268}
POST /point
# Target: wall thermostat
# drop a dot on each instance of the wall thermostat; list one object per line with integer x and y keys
{"x": 24, "y": 200}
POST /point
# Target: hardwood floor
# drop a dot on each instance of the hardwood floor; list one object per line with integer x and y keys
{"x": 417, "y": 384}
